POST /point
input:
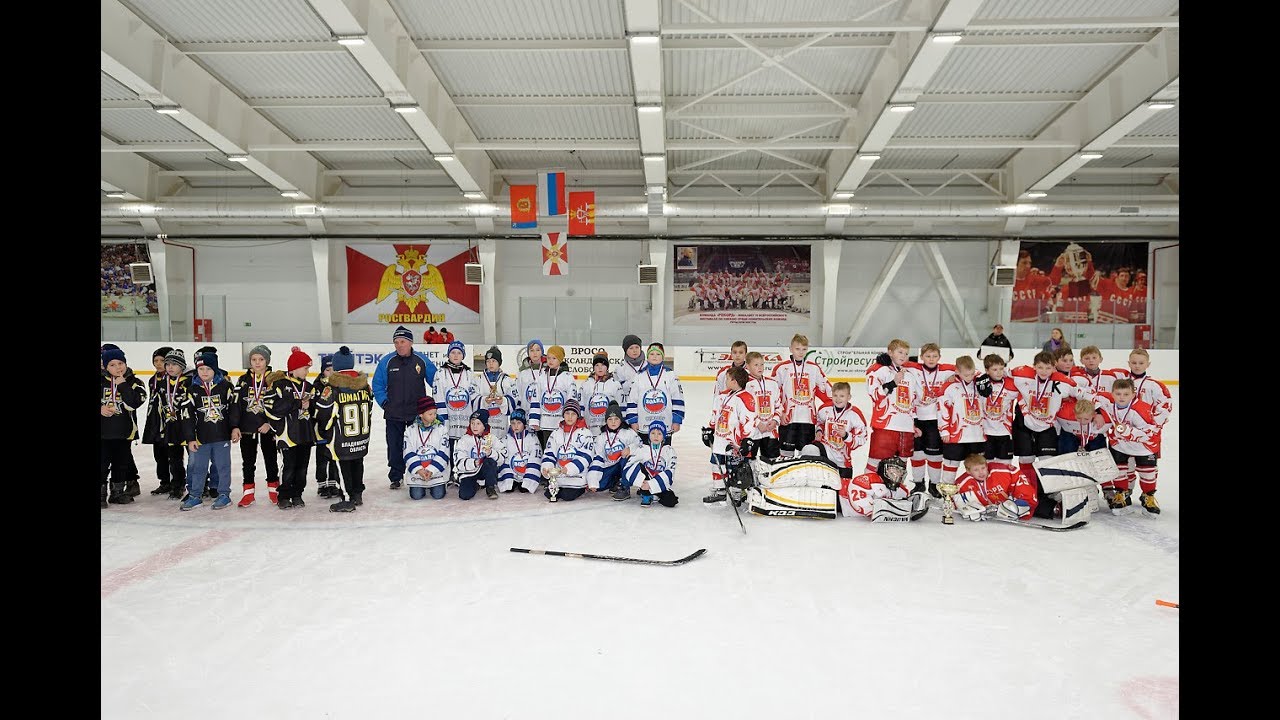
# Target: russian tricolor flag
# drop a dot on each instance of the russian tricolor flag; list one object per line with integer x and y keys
{"x": 551, "y": 192}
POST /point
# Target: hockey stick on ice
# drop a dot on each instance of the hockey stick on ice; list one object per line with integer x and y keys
{"x": 728, "y": 496}
{"x": 586, "y": 556}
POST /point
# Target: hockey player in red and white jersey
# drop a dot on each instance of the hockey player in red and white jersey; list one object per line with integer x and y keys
{"x": 804, "y": 390}
{"x": 737, "y": 358}
{"x": 1082, "y": 425}
{"x": 960, "y": 418}
{"x": 882, "y": 495}
{"x": 1134, "y": 435}
{"x": 733, "y": 418}
{"x": 985, "y": 485}
{"x": 841, "y": 429}
{"x": 999, "y": 406}
{"x": 896, "y": 392}
{"x": 1042, "y": 390}
{"x": 1089, "y": 376}
{"x": 1148, "y": 389}
{"x": 768, "y": 399}
{"x": 926, "y": 461}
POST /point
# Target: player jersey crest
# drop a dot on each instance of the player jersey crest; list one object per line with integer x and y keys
{"x": 800, "y": 384}
{"x": 972, "y": 410}
{"x": 722, "y": 422}
{"x": 520, "y": 463}
{"x": 902, "y": 398}
{"x": 457, "y": 398}
{"x": 655, "y": 401}
{"x": 995, "y": 406}
{"x": 835, "y": 429}
{"x": 1040, "y": 407}
{"x": 613, "y": 451}
{"x": 552, "y": 401}
{"x": 598, "y": 404}
{"x": 764, "y": 406}
{"x": 564, "y": 457}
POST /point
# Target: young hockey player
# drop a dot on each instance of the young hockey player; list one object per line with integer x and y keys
{"x": 255, "y": 430}
{"x": 153, "y": 427}
{"x": 477, "y": 457}
{"x": 768, "y": 404}
{"x": 656, "y": 394}
{"x": 171, "y": 389}
{"x": 343, "y": 415}
{"x": 567, "y": 457}
{"x": 960, "y": 418}
{"x": 288, "y": 407}
{"x": 128, "y": 472}
{"x": 1148, "y": 389}
{"x": 210, "y": 417}
{"x": 1089, "y": 375}
{"x": 896, "y": 392}
{"x": 530, "y": 378}
{"x": 926, "y": 461}
{"x": 995, "y": 484}
{"x": 555, "y": 388}
{"x": 326, "y": 465}
{"x": 841, "y": 429}
{"x": 632, "y": 364}
{"x": 1082, "y": 426}
{"x": 597, "y": 392}
{"x": 426, "y": 453}
{"x": 121, "y": 397}
{"x": 496, "y": 392}
{"x": 733, "y": 419}
{"x": 883, "y": 495}
{"x": 1042, "y": 391}
{"x": 737, "y": 358}
{"x": 651, "y": 470}
{"x": 804, "y": 389}
{"x": 1064, "y": 361}
{"x": 524, "y": 455}
{"x": 454, "y": 392}
{"x": 999, "y": 405}
{"x": 1134, "y": 435}
{"x": 611, "y": 449}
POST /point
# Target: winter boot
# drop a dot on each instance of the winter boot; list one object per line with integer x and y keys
{"x": 297, "y": 502}
{"x": 177, "y": 490}
{"x": 716, "y": 496}
{"x": 646, "y": 499}
{"x": 622, "y": 494}
{"x": 162, "y": 488}
{"x": 284, "y": 503}
{"x": 119, "y": 494}
{"x": 343, "y": 506}
{"x": 1148, "y": 502}
{"x": 492, "y": 492}
{"x": 133, "y": 488}
{"x": 273, "y": 491}
{"x": 247, "y": 499}
{"x": 357, "y": 498}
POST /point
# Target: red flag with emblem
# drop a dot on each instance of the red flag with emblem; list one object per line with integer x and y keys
{"x": 555, "y": 253}
{"x": 582, "y": 213}
{"x": 524, "y": 206}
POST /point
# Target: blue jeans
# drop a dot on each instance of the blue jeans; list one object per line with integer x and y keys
{"x": 395, "y": 448}
{"x": 418, "y": 493}
{"x": 217, "y": 453}
{"x": 611, "y": 473}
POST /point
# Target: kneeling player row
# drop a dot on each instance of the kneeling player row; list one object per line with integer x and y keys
{"x": 574, "y": 461}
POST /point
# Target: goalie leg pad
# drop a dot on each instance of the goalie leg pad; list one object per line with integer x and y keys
{"x": 1077, "y": 504}
{"x": 1072, "y": 470}
{"x": 805, "y": 502}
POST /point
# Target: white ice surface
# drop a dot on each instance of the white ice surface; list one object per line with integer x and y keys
{"x": 417, "y": 609}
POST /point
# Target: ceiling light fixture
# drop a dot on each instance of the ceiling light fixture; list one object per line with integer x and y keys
{"x": 351, "y": 40}
{"x": 405, "y": 109}
{"x": 238, "y": 158}
{"x": 841, "y": 195}
{"x": 902, "y": 108}
{"x": 168, "y": 109}
{"x": 473, "y": 195}
{"x": 443, "y": 158}
{"x": 649, "y": 108}
{"x": 869, "y": 157}
{"x": 116, "y": 194}
{"x": 947, "y": 37}
{"x": 290, "y": 193}
{"x": 1091, "y": 155}
{"x": 1160, "y": 105}
{"x": 1034, "y": 194}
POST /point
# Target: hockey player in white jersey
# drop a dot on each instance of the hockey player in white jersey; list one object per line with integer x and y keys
{"x": 597, "y": 392}
{"x": 611, "y": 449}
{"x": 737, "y": 358}
{"x": 656, "y": 395}
{"x": 528, "y": 378}
{"x": 804, "y": 389}
{"x": 567, "y": 456}
{"x": 496, "y": 392}
{"x": 523, "y": 457}
{"x": 651, "y": 470}
{"x": 455, "y": 392}
{"x": 426, "y": 453}
{"x": 733, "y": 419}
{"x": 768, "y": 406}
{"x": 555, "y": 388}
{"x": 477, "y": 457}
{"x": 631, "y": 366}
{"x": 841, "y": 429}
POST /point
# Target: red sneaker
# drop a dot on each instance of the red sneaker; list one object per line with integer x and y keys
{"x": 247, "y": 499}
{"x": 273, "y": 491}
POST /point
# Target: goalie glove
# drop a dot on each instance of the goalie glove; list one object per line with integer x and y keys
{"x": 708, "y": 436}
{"x": 1014, "y": 509}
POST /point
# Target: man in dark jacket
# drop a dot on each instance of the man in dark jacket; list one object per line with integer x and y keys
{"x": 995, "y": 340}
{"x": 399, "y": 381}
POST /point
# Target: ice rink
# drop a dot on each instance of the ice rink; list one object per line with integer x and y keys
{"x": 417, "y": 608}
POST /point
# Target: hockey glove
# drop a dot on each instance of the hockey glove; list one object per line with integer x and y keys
{"x": 747, "y": 448}
{"x": 708, "y": 436}
{"x": 1014, "y": 509}
{"x": 983, "y": 386}
{"x": 884, "y": 359}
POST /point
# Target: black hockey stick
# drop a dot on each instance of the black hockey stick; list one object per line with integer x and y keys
{"x": 1041, "y": 526}
{"x": 586, "y": 556}
{"x": 728, "y": 496}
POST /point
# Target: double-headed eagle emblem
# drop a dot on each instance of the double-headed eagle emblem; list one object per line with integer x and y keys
{"x": 413, "y": 284}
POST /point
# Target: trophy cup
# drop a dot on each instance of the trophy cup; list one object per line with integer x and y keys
{"x": 487, "y": 444}
{"x": 948, "y": 491}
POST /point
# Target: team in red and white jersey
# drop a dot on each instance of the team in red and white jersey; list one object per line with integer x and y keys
{"x": 986, "y": 484}
{"x": 841, "y": 429}
{"x": 999, "y": 402}
{"x": 1083, "y": 424}
{"x": 1119, "y": 299}
{"x": 926, "y": 462}
{"x": 1089, "y": 376}
{"x": 804, "y": 389}
{"x": 895, "y": 393}
{"x": 1042, "y": 390}
{"x": 960, "y": 418}
{"x": 1132, "y": 428}
{"x": 1134, "y": 437}
{"x": 768, "y": 404}
{"x": 1148, "y": 389}
{"x": 737, "y": 358}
